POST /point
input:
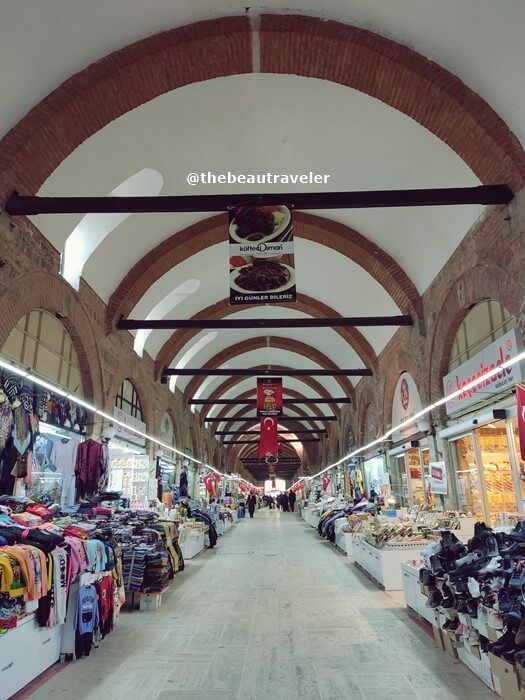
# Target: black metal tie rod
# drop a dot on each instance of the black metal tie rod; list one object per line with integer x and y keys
{"x": 217, "y": 372}
{"x": 254, "y": 442}
{"x": 241, "y": 419}
{"x": 250, "y": 402}
{"x": 18, "y": 205}
{"x": 131, "y": 324}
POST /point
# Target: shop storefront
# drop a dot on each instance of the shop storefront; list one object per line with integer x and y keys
{"x": 409, "y": 459}
{"x": 482, "y": 443}
{"x": 129, "y": 465}
{"x": 374, "y": 462}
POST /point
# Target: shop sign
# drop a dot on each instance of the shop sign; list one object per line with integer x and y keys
{"x": 494, "y": 355}
{"x": 269, "y": 396}
{"x": 438, "y": 478}
{"x": 520, "y": 397}
{"x": 406, "y": 404}
{"x": 127, "y": 433}
{"x": 262, "y": 267}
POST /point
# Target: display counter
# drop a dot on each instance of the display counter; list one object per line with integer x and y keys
{"x": 414, "y": 599}
{"x": 312, "y": 518}
{"x": 25, "y": 652}
{"x": 384, "y": 565}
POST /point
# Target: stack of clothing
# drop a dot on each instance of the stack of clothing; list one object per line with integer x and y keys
{"x": 157, "y": 572}
{"x": 133, "y": 567}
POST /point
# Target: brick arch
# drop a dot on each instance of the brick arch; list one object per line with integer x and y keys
{"x": 211, "y": 231}
{"x": 131, "y": 367}
{"x": 310, "y": 449}
{"x": 232, "y": 381}
{"x": 305, "y": 304}
{"x": 368, "y": 401}
{"x": 288, "y": 344}
{"x": 41, "y": 290}
{"x": 302, "y": 416}
{"x": 312, "y": 47}
{"x": 478, "y": 284}
{"x": 399, "y": 362}
{"x": 291, "y": 393}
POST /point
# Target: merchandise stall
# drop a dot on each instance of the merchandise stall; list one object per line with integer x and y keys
{"x": 481, "y": 437}
{"x": 94, "y": 558}
{"x": 409, "y": 458}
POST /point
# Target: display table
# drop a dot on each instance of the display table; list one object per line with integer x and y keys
{"x": 384, "y": 565}
{"x": 193, "y": 543}
{"x": 25, "y": 652}
{"x": 304, "y": 513}
{"x": 414, "y": 599}
{"x": 313, "y": 519}
{"x": 350, "y": 538}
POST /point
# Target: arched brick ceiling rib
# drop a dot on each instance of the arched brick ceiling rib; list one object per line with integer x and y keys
{"x": 232, "y": 381}
{"x": 291, "y": 394}
{"x": 305, "y": 304}
{"x": 302, "y": 416}
{"x": 194, "y": 239}
{"x": 312, "y": 47}
{"x": 272, "y": 342}
{"x": 310, "y": 448}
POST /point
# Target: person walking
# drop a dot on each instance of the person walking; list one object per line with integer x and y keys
{"x": 251, "y": 502}
{"x": 286, "y": 508}
{"x": 291, "y": 499}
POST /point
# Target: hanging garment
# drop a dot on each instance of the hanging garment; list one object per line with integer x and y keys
{"x": 21, "y": 429}
{"x": 86, "y": 621}
{"x": 6, "y": 423}
{"x": 89, "y": 467}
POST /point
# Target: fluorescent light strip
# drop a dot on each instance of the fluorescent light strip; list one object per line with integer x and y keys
{"x": 27, "y": 374}
{"x": 424, "y": 411}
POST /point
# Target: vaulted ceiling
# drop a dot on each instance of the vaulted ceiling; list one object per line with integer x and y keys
{"x": 262, "y": 97}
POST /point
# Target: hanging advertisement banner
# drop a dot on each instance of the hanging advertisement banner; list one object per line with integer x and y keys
{"x": 494, "y": 355}
{"x": 268, "y": 441}
{"x": 405, "y": 405}
{"x": 438, "y": 478}
{"x": 261, "y": 248}
{"x": 520, "y": 397}
{"x": 269, "y": 396}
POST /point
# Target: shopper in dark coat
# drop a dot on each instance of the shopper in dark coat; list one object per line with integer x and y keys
{"x": 285, "y": 503}
{"x": 251, "y": 502}
{"x": 291, "y": 499}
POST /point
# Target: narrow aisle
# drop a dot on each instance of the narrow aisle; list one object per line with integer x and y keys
{"x": 272, "y": 612}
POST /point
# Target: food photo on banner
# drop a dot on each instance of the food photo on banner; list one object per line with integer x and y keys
{"x": 269, "y": 396}
{"x": 262, "y": 266}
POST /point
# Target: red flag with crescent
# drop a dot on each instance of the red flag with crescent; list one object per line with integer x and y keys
{"x": 268, "y": 442}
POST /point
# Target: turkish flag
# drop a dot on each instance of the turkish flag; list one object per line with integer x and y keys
{"x": 326, "y": 483}
{"x": 208, "y": 483}
{"x": 218, "y": 478}
{"x": 520, "y": 396}
{"x": 268, "y": 442}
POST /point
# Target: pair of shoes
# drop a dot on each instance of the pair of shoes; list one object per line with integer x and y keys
{"x": 505, "y": 643}
{"x": 517, "y": 580}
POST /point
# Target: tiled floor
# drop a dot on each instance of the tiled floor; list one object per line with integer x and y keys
{"x": 273, "y": 612}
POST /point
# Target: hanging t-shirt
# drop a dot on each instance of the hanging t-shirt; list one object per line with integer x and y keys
{"x": 60, "y": 581}
{"x": 87, "y": 610}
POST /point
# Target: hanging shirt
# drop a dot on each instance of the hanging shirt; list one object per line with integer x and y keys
{"x": 87, "y": 619}
{"x": 60, "y": 583}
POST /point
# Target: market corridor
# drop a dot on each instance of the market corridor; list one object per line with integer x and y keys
{"x": 272, "y": 612}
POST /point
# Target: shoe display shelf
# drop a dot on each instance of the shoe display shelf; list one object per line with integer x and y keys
{"x": 414, "y": 598}
{"x": 384, "y": 565}
{"x": 480, "y": 666}
{"x": 25, "y": 652}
